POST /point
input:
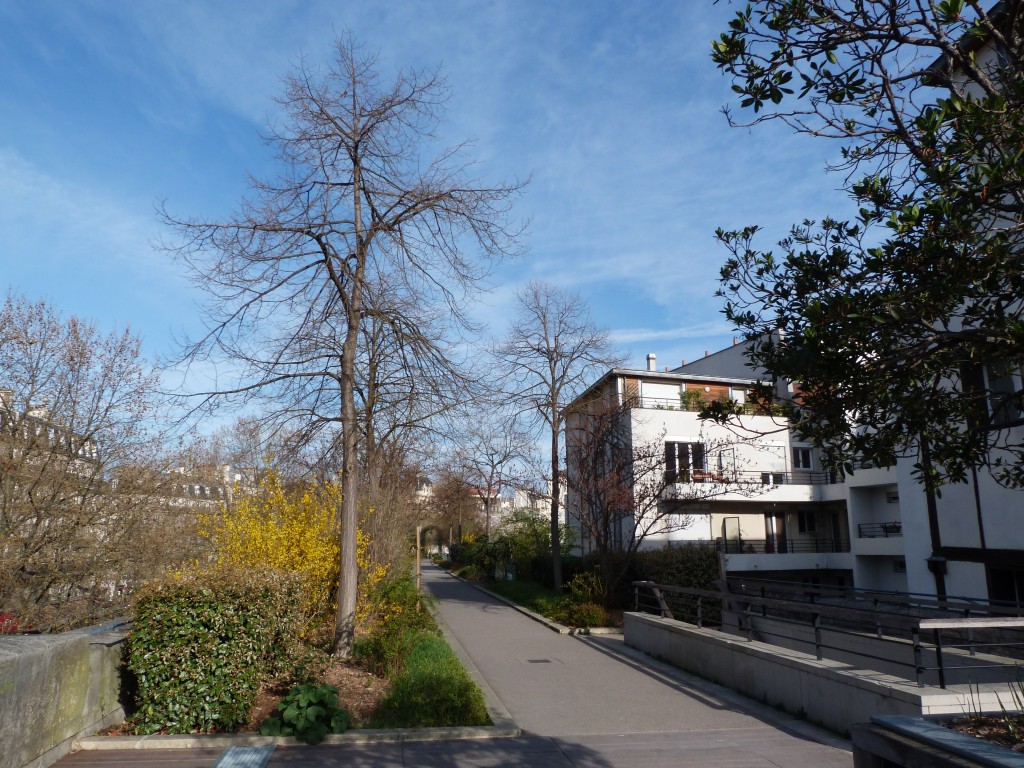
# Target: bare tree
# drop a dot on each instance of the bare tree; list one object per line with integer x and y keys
{"x": 450, "y": 506}
{"x": 549, "y": 356}
{"x": 489, "y": 456}
{"x": 78, "y": 471}
{"x": 358, "y": 226}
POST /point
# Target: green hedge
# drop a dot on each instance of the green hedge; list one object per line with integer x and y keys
{"x": 432, "y": 689}
{"x": 201, "y": 646}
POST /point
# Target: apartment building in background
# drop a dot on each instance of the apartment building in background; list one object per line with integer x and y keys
{"x": 751, "y": 489}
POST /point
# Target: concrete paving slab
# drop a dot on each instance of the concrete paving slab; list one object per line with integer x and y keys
{"x": 150, "y": 758}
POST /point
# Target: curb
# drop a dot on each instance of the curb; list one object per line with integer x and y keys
{"x": 225, "y": 740}
{"x": 554, "y": 626}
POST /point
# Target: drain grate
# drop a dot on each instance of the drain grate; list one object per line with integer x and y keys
{"x": 538, "y": 661}
{"x": 245, "y": 757}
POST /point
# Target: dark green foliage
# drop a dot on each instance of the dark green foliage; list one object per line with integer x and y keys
{"x": 402, "y": 616}
{"x": 586, "y": 614}
{"x": 432, "y": 689}
{"x": 692, "y": 566}
{"x": 309, "y": 712}
{"x": 531, "y": 595}
{"x": 902, "y": 323}
{"x": 201, "y": 646}
{"x": 580, "y": 607}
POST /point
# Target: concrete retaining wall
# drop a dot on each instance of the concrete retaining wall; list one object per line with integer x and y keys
{"x": 829, "y": 693}
{"x": 54, "y": 688}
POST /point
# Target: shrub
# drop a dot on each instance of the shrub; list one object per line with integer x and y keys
{"x": 689, "y": 565}
{"x": 309, "y": 712}
{"x": 432, "y": 689}
{"x": 398, "y": 615}
{"x": 585, "y": 615}
{"x": 288, "y": 530}
{"x": 202, "y": 644}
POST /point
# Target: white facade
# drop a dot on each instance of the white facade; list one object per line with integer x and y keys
{"x": 969, "y": 541}
{"x": 760, "y": 495}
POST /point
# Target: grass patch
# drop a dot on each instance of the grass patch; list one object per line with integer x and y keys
{"x": 529, "y": 594}
{"x": 431, "y": 689}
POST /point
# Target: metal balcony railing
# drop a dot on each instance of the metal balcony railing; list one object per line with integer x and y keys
{"x": 695, "y": 404}
{"x": 752, "y": 477}
{"x": 781, "y": 546}
{"x": 879, "y": 530}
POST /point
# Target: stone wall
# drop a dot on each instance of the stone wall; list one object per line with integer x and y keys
{"x": 54, "y": 688}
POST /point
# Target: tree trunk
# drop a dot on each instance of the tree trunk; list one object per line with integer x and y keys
{"x": 345, "y": 620}
{"x": 556, "y": 539}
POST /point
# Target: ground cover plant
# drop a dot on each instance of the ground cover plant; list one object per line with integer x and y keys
{"x": 309, "y": 712}
{"x": 428, "y": 685}
{"x": 431, "y": 688}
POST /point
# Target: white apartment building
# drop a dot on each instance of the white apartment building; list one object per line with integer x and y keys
{"x": 753, "y": 491}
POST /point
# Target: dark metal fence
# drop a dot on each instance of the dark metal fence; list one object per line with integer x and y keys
{"x": 881, "y": 631}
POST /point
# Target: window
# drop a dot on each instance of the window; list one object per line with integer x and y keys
{"x": 994, "y": 394}
{"x": 681, "y": 460}
{"x": 805, "y": 521}
{"x": 1004, "y": 396}
{"x": 802, "y": 458}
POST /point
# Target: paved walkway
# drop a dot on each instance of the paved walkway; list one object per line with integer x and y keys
{"x": 582, "y": 702}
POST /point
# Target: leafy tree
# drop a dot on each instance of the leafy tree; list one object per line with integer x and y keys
{"x": 549, "y": 356}
{"x": 360, "y": 227}
{"x": 903, "y": 327}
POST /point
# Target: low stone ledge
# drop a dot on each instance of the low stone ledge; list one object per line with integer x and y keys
{"x": 912, "y": 741}
{"x": 56, "y": 688}
{"x": 355, "y": 736}
{"x": 830, "y": 693}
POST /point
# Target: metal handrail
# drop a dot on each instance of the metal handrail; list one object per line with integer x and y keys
{"x": 754, "y": 477}
{"x": 695, "y": 406}
{"x": 880, "y": 530}
{"x": 781, "y": 546}
{"x": 888, "y": 627}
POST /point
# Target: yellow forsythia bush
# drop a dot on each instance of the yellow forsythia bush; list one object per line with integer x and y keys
{"x": 291, "y": 531}
{"x": 370, "y": 575}
{"x": 294, "y": 531}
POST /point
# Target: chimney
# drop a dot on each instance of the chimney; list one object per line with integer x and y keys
{"x": 705, "y": 353}
{"x": 666, "y": 369}
{"x": 652, "y": 362}
{"x": 735, "y": 341}
{"x": 684, "y": 361}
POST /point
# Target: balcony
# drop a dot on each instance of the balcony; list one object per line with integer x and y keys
{"x": 753, "y": 477}
{"x": 695, "y": 405}
{"x": 780, "y": 546}
{"x": 880, "y": 539}
{"x": 880, "y": 530}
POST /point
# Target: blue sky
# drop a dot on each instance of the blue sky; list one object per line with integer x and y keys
{"x": 611, "y": 107}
